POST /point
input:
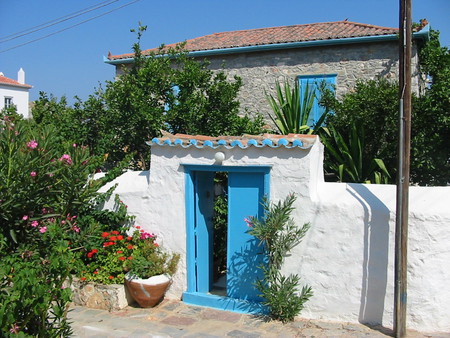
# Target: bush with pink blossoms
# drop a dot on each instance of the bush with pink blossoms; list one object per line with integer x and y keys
{"x": 48, "y": 214}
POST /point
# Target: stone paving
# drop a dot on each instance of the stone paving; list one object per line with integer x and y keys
{"x": 176, "y": 319}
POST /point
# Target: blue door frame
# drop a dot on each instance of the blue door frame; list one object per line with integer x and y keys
{"x": 246, "y": 186}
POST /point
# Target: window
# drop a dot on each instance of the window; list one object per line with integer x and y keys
{"x": 315, "y": 82}
{"x": 8, "y": 102}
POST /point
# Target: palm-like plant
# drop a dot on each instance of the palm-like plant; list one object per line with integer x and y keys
{"x": 292, "y": 108}
{"x": 347, "y": 158}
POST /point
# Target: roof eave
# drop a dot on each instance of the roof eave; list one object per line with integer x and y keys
{"x": 23, "y": 86}
{"x": 422, "y": 34}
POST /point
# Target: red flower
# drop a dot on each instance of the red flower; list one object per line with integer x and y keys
{"x": 138, "y": 227}
{"x": 115, "y": 232}
{"x": 141, "y": 230}
{"x": 119, "y": 238}
{"x": 110, "y": 243}
{"x": 90, "y": 254}
{"x": 113, "y": 238}
{"x": 129, "y": 238}
{"x": 111, "y": 277}
{"x": 105, "y": 234}
{"x": 94, "y": 250}
{"x": 130, "y": 246}
{"x": 129, "y": 258}
{"x": 95, "y": 272}
{"x": 119, "y": 251}
{"x": 122, "y": 258}
{"x": 83, "y": 278}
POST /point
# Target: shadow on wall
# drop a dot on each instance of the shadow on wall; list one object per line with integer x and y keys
{"x": 376, "y": 254}
{"x": 243, "y": 271}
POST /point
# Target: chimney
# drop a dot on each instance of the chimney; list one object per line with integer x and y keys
{"x": 21, "y": 76}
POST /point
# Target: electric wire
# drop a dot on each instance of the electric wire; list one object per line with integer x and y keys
{"x": 67, "y": 28}
{"x": 56, "y": 21}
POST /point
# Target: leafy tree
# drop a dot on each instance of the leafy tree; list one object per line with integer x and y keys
{"x": 374, "y": 105}
{"x": 165, "y": 90}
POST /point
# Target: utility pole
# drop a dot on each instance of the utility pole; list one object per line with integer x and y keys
{"x": 401, "y": 224}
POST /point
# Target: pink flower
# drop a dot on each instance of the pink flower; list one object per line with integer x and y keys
{"x": 34, "y": 224}
{"x": 32, "y": 144}
{"x": 42, "y": 229}
{"x": 33, "y": 174}
{"x": 145, "y": 235}
{"x": 75, "y": 228}
{"x": 63, "y": 222}
{"x": 66, "y": 158}
{"x": 249, "y": 222}
{"x": 25, "y": 217}
{"x": 74, "y": 145}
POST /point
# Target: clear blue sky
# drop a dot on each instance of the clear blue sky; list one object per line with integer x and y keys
{"x": 71, "y": 62}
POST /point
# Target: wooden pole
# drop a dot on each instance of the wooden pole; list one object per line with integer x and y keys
{"x": 401, "y": 226}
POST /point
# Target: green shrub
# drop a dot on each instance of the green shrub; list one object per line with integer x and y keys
{"x": 278, "y": 235}
{"x": 48, "y": 211}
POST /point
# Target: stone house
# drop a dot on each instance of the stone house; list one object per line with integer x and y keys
{"x": 15, "y": 92}
{"x": 339, "y": 52}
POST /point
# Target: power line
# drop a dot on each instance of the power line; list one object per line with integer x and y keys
{"x": 56, "y": 21}
{"x": 67, "y": 28}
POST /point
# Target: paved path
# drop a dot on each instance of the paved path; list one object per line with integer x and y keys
{"x": 176, "y": 319}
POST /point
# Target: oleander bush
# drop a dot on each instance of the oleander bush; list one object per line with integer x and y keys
{"x": 278, "y": 235}
{"x": 49, "y": 212}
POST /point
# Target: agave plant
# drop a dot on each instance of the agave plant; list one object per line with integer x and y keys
{"x": 347, "y": 159}
{"x": 292, "y": 109}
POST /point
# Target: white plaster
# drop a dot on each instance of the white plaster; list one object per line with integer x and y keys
{"x": 20, "y": 95}
{"x": 348, "y": 254}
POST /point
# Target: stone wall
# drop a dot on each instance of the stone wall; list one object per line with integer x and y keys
{"x": 350, "y": 62}
{"x": 260, "y": 70}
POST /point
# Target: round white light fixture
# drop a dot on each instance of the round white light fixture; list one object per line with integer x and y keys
{"x": 219, "y": 157}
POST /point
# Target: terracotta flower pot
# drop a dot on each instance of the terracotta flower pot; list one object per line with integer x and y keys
{"x": 147, "y": 292}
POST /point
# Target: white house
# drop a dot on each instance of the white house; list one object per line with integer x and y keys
{"x": 15, "y": 93}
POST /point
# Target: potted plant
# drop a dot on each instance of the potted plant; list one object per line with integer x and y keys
{"x": 150, "y": 270}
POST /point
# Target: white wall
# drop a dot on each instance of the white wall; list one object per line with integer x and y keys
{"x": 20, "y": 98}
{"x": 348, "y": 254}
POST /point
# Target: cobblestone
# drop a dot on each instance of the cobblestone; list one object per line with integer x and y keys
{"x": 176, "y": 319}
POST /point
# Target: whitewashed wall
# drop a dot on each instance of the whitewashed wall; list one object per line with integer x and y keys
{"x": 348, "y": 254}
{"x": 20, "y": 98}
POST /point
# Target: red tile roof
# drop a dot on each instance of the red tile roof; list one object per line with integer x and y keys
{"x": 276, "y": 35}
{"x": 10, "y": 82}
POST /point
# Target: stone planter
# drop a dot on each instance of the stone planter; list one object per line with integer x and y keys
{"x": 98, "y": 296}
{"x": 147, "y": 292}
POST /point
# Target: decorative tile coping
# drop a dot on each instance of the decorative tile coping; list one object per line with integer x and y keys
{"x": 243, "y": 142}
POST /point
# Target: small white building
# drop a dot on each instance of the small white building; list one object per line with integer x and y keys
{"x": 15, "y": 93}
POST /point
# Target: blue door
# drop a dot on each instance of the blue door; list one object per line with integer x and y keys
{"x": 204, "y": 199}
{"x": 244, "y": 256}
{"x": 246, "y": 187}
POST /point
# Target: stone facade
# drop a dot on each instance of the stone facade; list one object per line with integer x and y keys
{"x": 260, "y": 70}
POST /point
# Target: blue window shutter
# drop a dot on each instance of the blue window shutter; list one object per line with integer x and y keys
{"x": 314, "y": 82}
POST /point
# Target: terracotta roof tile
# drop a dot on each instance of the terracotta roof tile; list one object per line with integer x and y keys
{"x": 246, "y": 141}
{"x": 10, "y": 82}
{"x": 277, "y": 35}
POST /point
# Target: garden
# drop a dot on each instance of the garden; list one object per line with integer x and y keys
{"x": 52, "y": 224}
